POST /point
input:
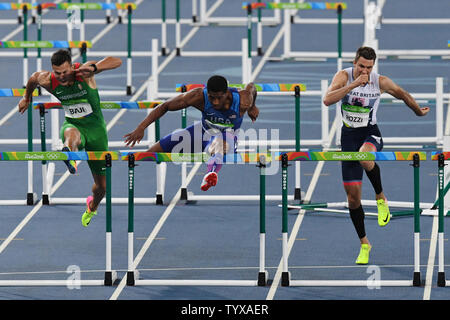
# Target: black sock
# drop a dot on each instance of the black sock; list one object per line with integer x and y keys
{"x": 357, "y": 216}
{"x": 375, "y": 178}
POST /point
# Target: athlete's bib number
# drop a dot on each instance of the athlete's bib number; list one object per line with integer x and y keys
{"x": 78, "y": 110}
{"x": 354, "y": 118}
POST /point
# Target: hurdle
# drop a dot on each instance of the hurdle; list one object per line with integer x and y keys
{"x": 31, "y": 197}
{"x": 441, "y": 157}
{"x": 373, "y": 20}
{"x": 264, "y": 89}
{"x": 110, "y": 275}
{"x": 74, "y": 44}
{"x": 48, "y": 172}
{"x": 289, "y": 19}
{"x": 260, "y": 159}
{"x": 108, "y": 6}
{"x": 234, "y": 21}
{"x": 416, "y": 157}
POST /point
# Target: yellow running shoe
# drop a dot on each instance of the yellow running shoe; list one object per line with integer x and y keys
{"x": 383, "y": 213}
{"x": 71, "y": 164}
{"x": 88, "y": 214}
{"x": 363, "y": 257}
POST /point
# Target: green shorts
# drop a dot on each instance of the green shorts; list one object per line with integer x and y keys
{"x": 93, "y": 138}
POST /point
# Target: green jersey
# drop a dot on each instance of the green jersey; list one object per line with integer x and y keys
{"x": 82, "y": 110}
{"x": 81, "y": 103}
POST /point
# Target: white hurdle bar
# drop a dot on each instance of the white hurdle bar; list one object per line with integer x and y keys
{"x": 235, "y": 21}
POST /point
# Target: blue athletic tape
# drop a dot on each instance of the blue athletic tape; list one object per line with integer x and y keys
{"x": 60, "y": 44}
{"x": 318, "y": 5}
{"x": 6, "y": 93}
{"x": 129, "y": 105}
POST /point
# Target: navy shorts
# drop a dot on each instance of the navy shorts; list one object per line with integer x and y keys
{"x": 351, "y": 140}
{"x": 193, "y": 139}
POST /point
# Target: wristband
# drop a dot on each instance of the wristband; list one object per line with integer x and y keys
{"x": 95, "y": 67}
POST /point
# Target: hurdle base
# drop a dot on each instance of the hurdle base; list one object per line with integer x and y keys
{"x": 184, "y": 194}
{"x": 45, "y": 199}
{"x": 192, "y": 198}
{"x": 351, "y": 283}
{"x": 132, "y": 276}
{"x": 110, "y": 278}
{"x": 181, "y": 282}
{"x": 31, "y": 198}
{"x": 285, "y": 279}
{"x": 416, "y": 279}
{"x": 262, "y": 278}
{"x": 441, "y": 279}
{"x": 159, "y": 199}
{"x": 298, "y": 195}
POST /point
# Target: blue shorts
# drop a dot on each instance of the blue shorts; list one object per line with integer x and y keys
{"x": 194, "y": 139}
{"x": 351, "y": 140}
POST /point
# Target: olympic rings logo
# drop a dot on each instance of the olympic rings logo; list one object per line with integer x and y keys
{"x": 53, "y": 156}
{"x": 361, "y": 156}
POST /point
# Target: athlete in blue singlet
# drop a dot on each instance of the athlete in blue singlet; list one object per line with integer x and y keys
{"x": 222, "y": 110}
{"x": 357, "y": 91}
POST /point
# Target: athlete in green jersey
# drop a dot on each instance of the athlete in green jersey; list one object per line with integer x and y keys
{"x": 84, "y": 127}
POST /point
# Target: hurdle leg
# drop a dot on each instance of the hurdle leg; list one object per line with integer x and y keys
{"x": 45, "y": 185}
{"x": 178, "y": 29}
{"x": 31, "y": 196}
{"x": 161, "y": 169}
{"x": 263, "y": 274}
{"x": 298, "y": 191}
{"x": 110, "y": 275}
{"x": 284, "y": 180}
{"x": 132, "y": 274}
{"x": 441, "y": 274}
{"x": 416, "y": 275}
{"x": 129, "y": 59}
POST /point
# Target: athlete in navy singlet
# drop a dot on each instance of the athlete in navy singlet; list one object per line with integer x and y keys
{"x": 222, "y": 111}
{"x": 357, "y": 92}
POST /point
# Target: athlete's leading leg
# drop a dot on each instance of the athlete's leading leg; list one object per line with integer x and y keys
{"x": 93, "y": 201}
{"x": 219, "y": 146}
{"x": 72, "y": 139}
{"x": 373, "y": 173}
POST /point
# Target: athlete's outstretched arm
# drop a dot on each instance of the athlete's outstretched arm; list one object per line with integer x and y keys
{"x": 41, "y": 78}
{"x": 248, "y": 99}
{"x": 396, "y": 91}
{"x": 88, "y": 70}
{"x": 191, "y": 98}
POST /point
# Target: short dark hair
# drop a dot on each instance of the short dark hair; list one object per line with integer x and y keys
{"x": 217, "y": 84}
{"x": 61, "y": 56}
{"x": 367, "y": 53}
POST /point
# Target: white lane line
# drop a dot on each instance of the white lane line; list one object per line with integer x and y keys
{"x": 19, "y": 227}
{"x": 431, "y": 256}
{"x": 431, "y": 259}
{"x": 154, "y": 232}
